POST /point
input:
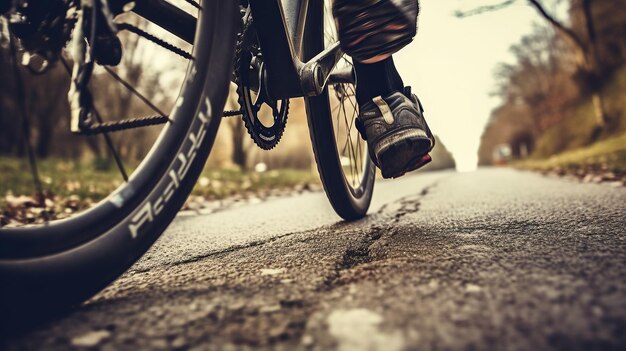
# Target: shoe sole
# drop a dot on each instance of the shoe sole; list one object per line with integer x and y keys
{"x": 404, "y": 156}
{"x": 397, "y": 137}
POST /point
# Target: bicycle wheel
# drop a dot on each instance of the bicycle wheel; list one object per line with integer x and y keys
{"x": 343, "y": 162}
{"x": 49, "y": 267}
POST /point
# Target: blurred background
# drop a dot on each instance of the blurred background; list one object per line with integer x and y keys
{"x": 534, "y": 84}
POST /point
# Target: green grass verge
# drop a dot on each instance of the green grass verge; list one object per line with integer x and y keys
{"x": 577, "y": 130}
{"x": 609, "y": 155}
{"x": 222, "y": 183}
{"x": 90, "y": 181}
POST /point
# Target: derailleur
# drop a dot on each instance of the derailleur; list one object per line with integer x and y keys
{"x": 94, "y": 40}
{"x": 45, "y": 28}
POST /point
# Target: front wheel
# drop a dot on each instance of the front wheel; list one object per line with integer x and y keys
{"x": 345, "y": 168}
{"x": 48, "y": 267}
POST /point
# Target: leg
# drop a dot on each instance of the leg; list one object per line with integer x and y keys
{"x": 370, "y": 31}
{"x": 376, "y": 79}
{"x": 390, "y": 117}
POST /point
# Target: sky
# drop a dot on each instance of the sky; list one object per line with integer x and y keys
{"x": 451, "y": 65}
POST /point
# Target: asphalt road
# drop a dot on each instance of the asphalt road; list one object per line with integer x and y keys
{"x": 495, "y": 259}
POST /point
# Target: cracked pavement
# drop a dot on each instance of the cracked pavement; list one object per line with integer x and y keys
{"x": 495, "y": 259}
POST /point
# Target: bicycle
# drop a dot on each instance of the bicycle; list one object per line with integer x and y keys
{"x": 284, "y": 49}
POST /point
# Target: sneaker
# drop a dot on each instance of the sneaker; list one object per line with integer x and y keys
{"x": 398, "y": 137}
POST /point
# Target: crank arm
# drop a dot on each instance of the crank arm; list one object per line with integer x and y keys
{"x": 315, "y": 73}
{"x": 344, "y": 75}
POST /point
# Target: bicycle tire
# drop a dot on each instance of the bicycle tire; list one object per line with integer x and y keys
{"x": 48, "y": 268}
{"x": 349, "y": 202}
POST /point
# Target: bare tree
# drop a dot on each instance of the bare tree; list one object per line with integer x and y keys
{"x": 540, "y": 78}
{"x": 585, "y": 45}
{"x": 239, "y": 135}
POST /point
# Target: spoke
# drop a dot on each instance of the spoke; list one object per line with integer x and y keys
{"x": 26, "y": 127}
{"x": 348, "y": 140}
{"x": 107, "y": 138}
{"x": 109, "y": 142}
{"x": 354, "y": 153}
{"x": 353, "y": 92}
{"x": 338, "y": 109}
{"x": 353, "y": 119}
{"x": 359, "y": 152}
{"x": 345, "y": 118}
{"x": 342, "y": 108}
{"x": 134, "y": 91}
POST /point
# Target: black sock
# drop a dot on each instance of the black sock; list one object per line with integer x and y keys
{"x": 376, "y": 79}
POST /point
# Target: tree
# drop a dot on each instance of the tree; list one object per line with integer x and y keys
{"x": 591, "y": 73}
{"x": 540, "y": 79}
{"x": 239, "y": 135}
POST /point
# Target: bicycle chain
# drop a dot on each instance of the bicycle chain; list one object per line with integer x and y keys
{"x": 154, "y": 39}
{"x": 253, "y": 125}
{"x": 125, "y": 124}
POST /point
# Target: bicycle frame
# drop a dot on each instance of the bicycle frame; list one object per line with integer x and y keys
{"x": 280, "y": 25}
{"x": 281, "y": 29}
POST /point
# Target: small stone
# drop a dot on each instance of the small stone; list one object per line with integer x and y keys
{"x": 353, "y": 289}
{"x": 159, "y": 344}
{"x": 206, "y": 211}
{"x": 269, "y": 309}
{"x": 179, "y": 342}
{"x": 433, "y": 284}
{"x": 307, "y": 340}
{"x": 91, "y": 338}
{"x": 473, "y": 288}
{"x": 272, "y": 271}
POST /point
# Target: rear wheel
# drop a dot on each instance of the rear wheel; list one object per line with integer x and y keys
{"x": 47, "y": 267}
{"x": 343, "y": 162}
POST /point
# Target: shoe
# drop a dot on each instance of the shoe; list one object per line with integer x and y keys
{"x": 396, "y": 132}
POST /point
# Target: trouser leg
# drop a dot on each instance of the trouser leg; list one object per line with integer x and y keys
{"x": 371, "y": 31}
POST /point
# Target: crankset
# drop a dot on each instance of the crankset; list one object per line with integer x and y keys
{"x": 252, "y": 94}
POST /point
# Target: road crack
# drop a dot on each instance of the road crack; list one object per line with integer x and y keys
{"x": 386, "y": 220}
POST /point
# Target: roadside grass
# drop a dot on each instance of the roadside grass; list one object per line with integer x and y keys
{"x": 578, "y": 130}
{"x": 59, "y": 177}
{"x": 605, "y": 155}
{"x": 223, "y": 183}
{"x": 91, "y": 182}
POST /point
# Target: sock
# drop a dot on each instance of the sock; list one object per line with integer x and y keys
{"x": 376, "y": 79}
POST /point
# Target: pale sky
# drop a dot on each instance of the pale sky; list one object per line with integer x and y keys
{"x": 450, "y": 66}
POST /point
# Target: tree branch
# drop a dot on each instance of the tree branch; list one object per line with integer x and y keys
{"x": 482, "y": 9}
{"x": 591, "y": 28}
{"x": 570, "y": 34}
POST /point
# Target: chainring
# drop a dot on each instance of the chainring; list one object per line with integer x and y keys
{"x": 251, "y": 99}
